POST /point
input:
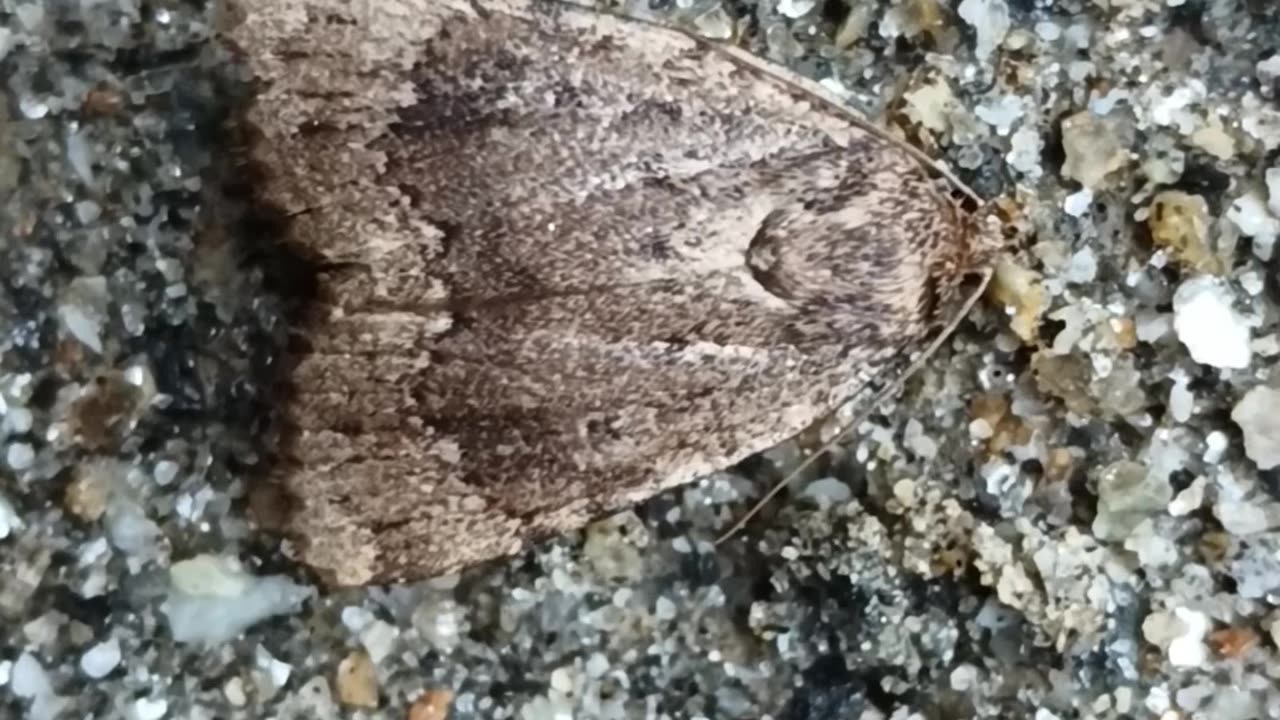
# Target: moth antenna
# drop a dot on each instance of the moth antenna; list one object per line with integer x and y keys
{"x": 892, "y": 389}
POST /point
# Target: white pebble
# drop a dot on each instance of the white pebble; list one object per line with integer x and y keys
{"x": 32, "y": 108}
{"x": 277, "y": 670}
{"x": 150, "y": 709}
{"x": 83, "y": 324}
{"x": 1188, "y": 650}
{"x": 1242, "y": 517}
{"x": 379, "y": 639}
{"x": 1082, "y": 267}
{"x": 1190, "y": 499}
{"x": 9, "y": 518}
{"x": 980, "y": 429}
{"x": 918, "y": 442}
{"x": 904, "y": 491}
{"x": 1259, "y": 420}
{"x": 1214, "y": 333}
{"x": 1215, "y": 446}
{"x": 213, "y": 599}
{"x": 355, "y": 618}
{"x": 1077, "y": 203}
{"x": 664, "y": 609}
{"x": 562, "y": 680}
{"x": 1181, "y": 400}
{"x": 234, "y": 692}
{"x": 964, "y": 678}
{"x": 1152, "y": 549}
{"x": 827, "y": 491}
{"x": 990, "y": 21}
{"x": 80, "y": 156}
{"x": 1273, "y": 182}
{"x": 165, "y": 472}
{"x": 1249, "y": 213}
{"x": 795, "y": 8}
{"x": 1267, "y": 345}
{"x": 1024, "y": 151}
{"x": 597, "y": 665}
{"x": 18, "y": 420}
{"x": 1252, "y": 282}
{"x": 28, "y": 679}
{"x": 1048, "y": 31}
{"x": 130, "y": 530}
{"x": 1002, "y": 114}
{"x": 88, "y": 212}
{"x": 1180, "y": 634}
{"x": 1151, "y": 326}
{"x": 20, "y": 456}
{"x": 98, "y": 661}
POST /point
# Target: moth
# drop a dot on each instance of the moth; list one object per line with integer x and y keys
{"x": 567, "y": 260}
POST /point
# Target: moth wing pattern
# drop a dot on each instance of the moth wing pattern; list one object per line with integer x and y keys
{"x": 570, "y": 260}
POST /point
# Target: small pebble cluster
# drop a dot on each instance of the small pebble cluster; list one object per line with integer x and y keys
{"x": 1073, "y": 511}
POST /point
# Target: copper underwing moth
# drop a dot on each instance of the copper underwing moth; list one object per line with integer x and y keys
{"x": 567, "y": 260}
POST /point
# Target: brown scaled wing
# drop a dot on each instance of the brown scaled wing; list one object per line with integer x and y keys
{"x": 572, "y": 260}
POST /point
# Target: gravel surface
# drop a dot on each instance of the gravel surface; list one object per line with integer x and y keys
{"x": 1072, "y": 512}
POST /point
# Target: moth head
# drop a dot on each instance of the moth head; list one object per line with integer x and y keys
{"x": 982, "y": 233}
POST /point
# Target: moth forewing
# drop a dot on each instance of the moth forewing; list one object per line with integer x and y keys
{"x": 541, "y": 300}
